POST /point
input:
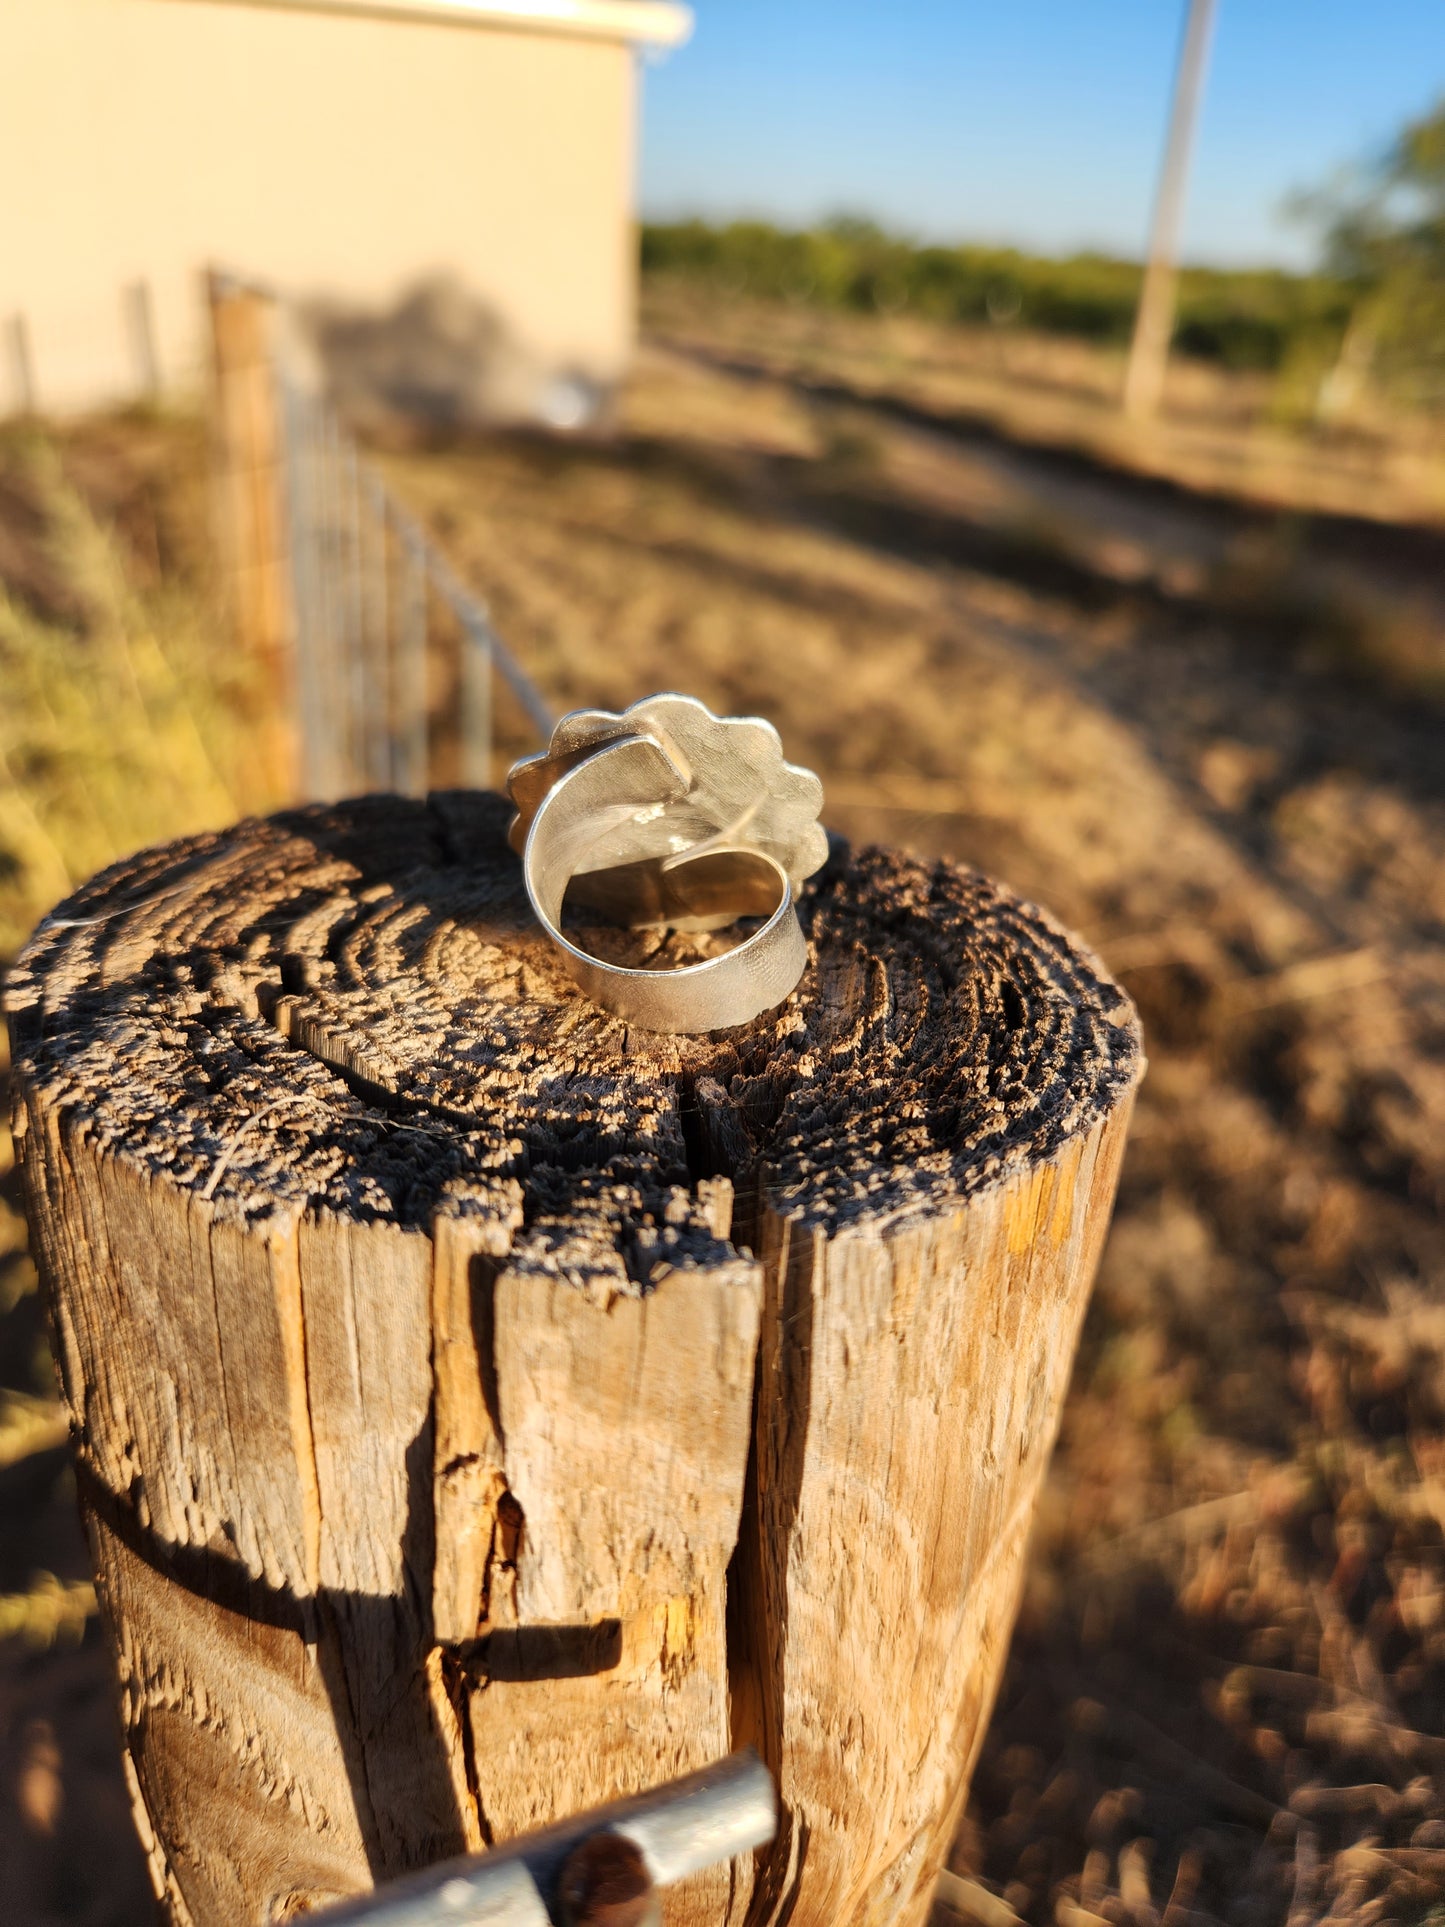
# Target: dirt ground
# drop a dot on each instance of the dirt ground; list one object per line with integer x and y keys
{"x": 1207, "y": 731}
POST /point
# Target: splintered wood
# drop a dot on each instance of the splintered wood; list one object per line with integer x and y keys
{"x": 483, "y": 1410}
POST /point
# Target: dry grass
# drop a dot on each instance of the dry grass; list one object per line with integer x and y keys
{"x": 1240, "y": 435}
{"x": 1227, "y": 1689}
{"x": 121, "y": 707}
{"x": 123, "y": 721}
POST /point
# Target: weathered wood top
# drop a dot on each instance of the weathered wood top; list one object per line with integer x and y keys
{"x": 351, "y": 1008}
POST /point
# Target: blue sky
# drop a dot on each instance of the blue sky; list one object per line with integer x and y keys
{"x": 1030, "y": 121}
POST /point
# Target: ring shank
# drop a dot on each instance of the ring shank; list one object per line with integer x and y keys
{"x": 592, "y": 801}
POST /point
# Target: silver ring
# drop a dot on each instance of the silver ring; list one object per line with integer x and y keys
{"x": 669, "y": 817}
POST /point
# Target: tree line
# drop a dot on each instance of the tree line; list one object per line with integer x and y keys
{"x": 1374, "y": 311}
{"x": 1246, "y": 318}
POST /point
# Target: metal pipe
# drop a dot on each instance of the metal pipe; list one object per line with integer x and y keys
{"x": 680, "y": 1828}
{"x": 725, "y": 1810}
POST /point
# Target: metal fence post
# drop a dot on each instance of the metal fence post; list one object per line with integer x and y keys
{"x": 336, "y": 709}
{"x": 357, "y": 666}
{"x": 410, "y": 749}
{"x": 476, "y": 705}
{"x": 378, "y": 639}
{"x": 361, "y": 621}
{"x": 300, "y": 495}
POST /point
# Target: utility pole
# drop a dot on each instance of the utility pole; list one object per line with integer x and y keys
{"x": 1154, "y": 323}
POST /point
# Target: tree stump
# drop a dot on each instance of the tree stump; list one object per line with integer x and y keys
{"x": 483, "y": 1410}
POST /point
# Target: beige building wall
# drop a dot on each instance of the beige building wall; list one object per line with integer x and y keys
{"x": 332, "y": 150}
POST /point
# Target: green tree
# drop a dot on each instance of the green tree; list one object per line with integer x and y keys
{"x": 1383, "y": 229}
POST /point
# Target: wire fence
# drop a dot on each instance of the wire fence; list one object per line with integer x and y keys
{"x": 368, "y": 584}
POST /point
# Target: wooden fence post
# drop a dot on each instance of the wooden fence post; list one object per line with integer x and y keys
{"x": 483, "y": 1410}
{"x": 248, "y": 442}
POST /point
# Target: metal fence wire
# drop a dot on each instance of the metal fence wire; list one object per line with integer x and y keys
{"x": 366, "y": 582}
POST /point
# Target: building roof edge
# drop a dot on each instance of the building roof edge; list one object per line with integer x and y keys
{"x": 648, "y": 23}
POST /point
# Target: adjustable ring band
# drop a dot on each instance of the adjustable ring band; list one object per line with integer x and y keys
{"x": 660, "y": 818}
